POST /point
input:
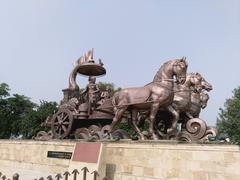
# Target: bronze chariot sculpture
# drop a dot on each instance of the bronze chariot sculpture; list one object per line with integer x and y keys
{"x": 171, "y": 105}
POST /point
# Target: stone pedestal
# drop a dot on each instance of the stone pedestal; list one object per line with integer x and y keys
{"x": 122, "y": 160}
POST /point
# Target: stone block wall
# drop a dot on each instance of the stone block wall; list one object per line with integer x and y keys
{"x": 129, "y": 160}
{"x": 169, "y": 161}
{"x": 32, "y": 155}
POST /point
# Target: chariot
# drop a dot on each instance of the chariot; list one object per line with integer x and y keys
{"x": 166, "y": 101}
{"x": 84, "y": 114}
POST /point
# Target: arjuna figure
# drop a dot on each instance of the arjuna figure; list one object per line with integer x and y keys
{"x": 92, "y": 91}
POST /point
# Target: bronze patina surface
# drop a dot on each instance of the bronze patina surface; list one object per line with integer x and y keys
{"x": 171, "y": 100}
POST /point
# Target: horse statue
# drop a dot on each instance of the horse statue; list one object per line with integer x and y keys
{"x": 199, "y": 100}
{"x": 193, "y": 128}
{"x": 182, "y": 96}
{"x": 204, "y": 97}
{"x": 181, "y": 101}
{"x": 188, "y": 102}
{"x": 158, "y": 93}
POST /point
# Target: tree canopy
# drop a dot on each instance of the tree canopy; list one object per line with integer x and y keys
{"x": 228, "y": 123}
{"x": 20, "y": 116}
{"x": 103, "y": 86}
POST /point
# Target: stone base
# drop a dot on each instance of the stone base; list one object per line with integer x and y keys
{"x": 171, "y": 161}
{"x": 124, "y": 160}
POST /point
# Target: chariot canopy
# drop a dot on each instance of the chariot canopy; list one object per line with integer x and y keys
{"x": 87, "y": 66}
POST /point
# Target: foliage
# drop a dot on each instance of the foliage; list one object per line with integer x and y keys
{"x": 229, "y": 117}
{"x": 4, "y": 130}
{"x": 34, "y": 120}
{"x": 103, "y": 86}
{"x": 12, "y": 110}
{"x": 20, "y": 116}
{"x": 4, "y": 90}
{"x": 18, "y": 107}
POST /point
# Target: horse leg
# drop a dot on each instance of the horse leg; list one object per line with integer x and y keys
{"x": 175, "y": 114}
{"x": 134, "y": 124}
{"x": 189, "y": 115}
{"x": 153, "y": 113}
{"x": 116, "y": 119}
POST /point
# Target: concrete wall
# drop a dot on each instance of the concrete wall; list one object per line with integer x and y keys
{"x": 138, "y": 161}
{"x": 130, "y": 160}
{"x": 32, "y": 155}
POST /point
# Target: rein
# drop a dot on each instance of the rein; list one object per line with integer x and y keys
{"x": 182, "y": 90}
{"x": 171, "y": 89}
{"x": 170, "y": 80}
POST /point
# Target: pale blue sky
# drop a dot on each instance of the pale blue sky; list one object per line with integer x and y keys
{"x": 40, "y": 39}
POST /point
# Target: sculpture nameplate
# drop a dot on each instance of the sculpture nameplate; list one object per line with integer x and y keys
{"x": 86, "y": 152}
{"x": 59, "y": 154}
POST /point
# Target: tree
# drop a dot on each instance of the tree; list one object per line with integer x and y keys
{"x": 103, "y": 86}
{"x": 12, "y": 110}
{"x": 4, "y": 90}
{"x": 33, "y": 122}
{"x": 229, "y": 117}
{"x": 18, "y": 107}
{"x": 4, "y": 131}
{"x": 20, "y": 116}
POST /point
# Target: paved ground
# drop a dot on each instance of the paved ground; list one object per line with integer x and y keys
{"x": 24, "y": 174}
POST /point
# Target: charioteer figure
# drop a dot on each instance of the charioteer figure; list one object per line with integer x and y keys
{"x": 92, "y": 94}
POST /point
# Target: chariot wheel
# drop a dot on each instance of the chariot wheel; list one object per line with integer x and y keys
{"x": 62, "y": 123}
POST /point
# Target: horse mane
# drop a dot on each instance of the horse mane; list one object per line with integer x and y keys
{"x": 158, "y": 75}
{"x": 190, "y": 75}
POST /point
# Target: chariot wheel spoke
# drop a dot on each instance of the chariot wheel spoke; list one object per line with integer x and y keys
{"x": 62, "y": 123}
{"x": 64, "y": 128}
{"x": 66, "y": 123}
{"x": 59, "y": 130}
{"x": 57, "y": 127}
{"x": 65, "y": 118}
{"x": 62, "y": 114}
{"x": 58, "y": 118}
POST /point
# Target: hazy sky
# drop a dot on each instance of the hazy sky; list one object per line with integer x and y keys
{"x": 40, "y": 40}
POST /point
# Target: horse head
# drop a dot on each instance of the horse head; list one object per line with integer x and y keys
{"x": 204, "y": 97}
{"x": 180, "y": 70}
{"x": 206, "y": 85}
{"x": 196, "y": 81}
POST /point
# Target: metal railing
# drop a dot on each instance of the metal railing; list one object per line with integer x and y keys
{"x": 65, "y": 176}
